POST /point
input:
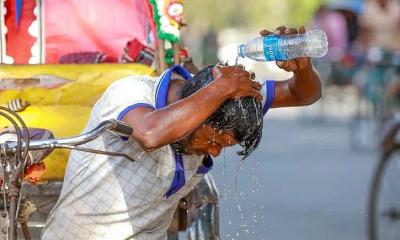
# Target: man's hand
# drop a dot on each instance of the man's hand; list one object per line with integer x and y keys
{"x": 304, "y": 87}
{"x": 297, "y": 64}
{"x": 237, "y": 82}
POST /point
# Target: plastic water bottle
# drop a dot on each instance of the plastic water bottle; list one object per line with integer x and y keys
{"x": 284, "y": 47}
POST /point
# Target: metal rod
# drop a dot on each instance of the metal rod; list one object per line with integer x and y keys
{"x": 13, "y": 208}
{"x": 176, "y": 48}
{"x": 161, "y": 50}
{"x": 11, "y": 147}
{"x": 25, "y": 231}
{"x": 157, "y": 59}
{"x": 97, "y": 151}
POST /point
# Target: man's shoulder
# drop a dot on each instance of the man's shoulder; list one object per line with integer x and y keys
{"x": 140, "y": 85}
{"x": 135, "y": 80}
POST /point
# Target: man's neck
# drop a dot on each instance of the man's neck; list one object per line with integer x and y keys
{"x": 175, "y": 90}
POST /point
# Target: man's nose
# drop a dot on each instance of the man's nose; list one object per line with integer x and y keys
{"x": 214, "y": 150}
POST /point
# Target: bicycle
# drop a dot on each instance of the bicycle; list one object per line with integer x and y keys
{"x": 374, "y": 105}
{"x": 384, "y": 197}
{"x": 14, "y": 156}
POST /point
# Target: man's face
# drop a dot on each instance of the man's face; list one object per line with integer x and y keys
{"x": 208, "y": 140}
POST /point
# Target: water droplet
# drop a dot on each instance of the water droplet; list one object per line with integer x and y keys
{"x": 141, "y": 154}
{"x": 239, "y": 208}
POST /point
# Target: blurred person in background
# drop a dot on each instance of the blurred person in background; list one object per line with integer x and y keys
{"x": 379, "y": 41}
{"x": 380, "y": 24}
{"x": 339, "y": 21}
{"x": 334, "y": 25}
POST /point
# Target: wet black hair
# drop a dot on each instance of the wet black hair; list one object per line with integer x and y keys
{"x": 244, "y": 116}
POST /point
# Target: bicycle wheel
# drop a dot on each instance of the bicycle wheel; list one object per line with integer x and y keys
{"x": 362, "y": 127}
{"x": 384, "y": 199}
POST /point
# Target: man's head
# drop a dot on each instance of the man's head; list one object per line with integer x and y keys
{"x": 235, "y": 121}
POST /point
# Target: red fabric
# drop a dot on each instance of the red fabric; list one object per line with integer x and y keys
{"x": 19, "y": 41}
{"x": 136, "y": 52}
{"x": 75, "y": 26}
{"x": 104, "y": 26}
{"x": 86, "y": 57}
{"x": 183, "y": 53}
{"x": 133, "y": 48}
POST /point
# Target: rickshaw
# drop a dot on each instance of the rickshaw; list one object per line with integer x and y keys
{"x": 56, "y": 59}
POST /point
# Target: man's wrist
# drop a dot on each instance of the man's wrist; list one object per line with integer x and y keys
{"x": 222, "y": 87}
{"x": 304, "y": 70}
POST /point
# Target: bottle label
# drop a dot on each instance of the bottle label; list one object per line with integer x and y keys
{"x": 271, "y": 48}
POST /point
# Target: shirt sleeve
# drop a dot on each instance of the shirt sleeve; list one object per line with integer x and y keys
{"x": 268, "y": 93}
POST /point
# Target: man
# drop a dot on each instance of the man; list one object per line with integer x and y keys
{"x": 383, "y": 29}
{"x": 178, "y": 123}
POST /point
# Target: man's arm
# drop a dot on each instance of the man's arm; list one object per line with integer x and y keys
{"x": 155, "y": 128}
{"x": 304, "y": 87}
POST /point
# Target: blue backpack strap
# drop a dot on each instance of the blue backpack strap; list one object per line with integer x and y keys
{"x": 179, "y": 178}
{"x": 162, "y": 90}
{"x": 206, "y": 165}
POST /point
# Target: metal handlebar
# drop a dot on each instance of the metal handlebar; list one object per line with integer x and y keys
{"x": 10, "y": 148}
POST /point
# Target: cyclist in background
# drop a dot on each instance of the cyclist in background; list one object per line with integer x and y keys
{"x": 379, "y": 39}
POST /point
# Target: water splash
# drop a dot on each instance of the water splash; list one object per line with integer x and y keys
{"x": 239, "y": 101}
{"x": 239, "y": 167}
{"x": 249, "y": 215}
{"x": 257, "y": 113}
{"x": 141, "y": 154}
{"x": 237, "y": 60}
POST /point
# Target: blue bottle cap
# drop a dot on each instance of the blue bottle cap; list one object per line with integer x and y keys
{"x": 241, "y": 50}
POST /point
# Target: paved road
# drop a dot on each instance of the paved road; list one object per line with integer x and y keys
{"x": 304, "y": 182}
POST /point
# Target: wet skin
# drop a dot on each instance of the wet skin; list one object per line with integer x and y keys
{"x": 207, "y": 140}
